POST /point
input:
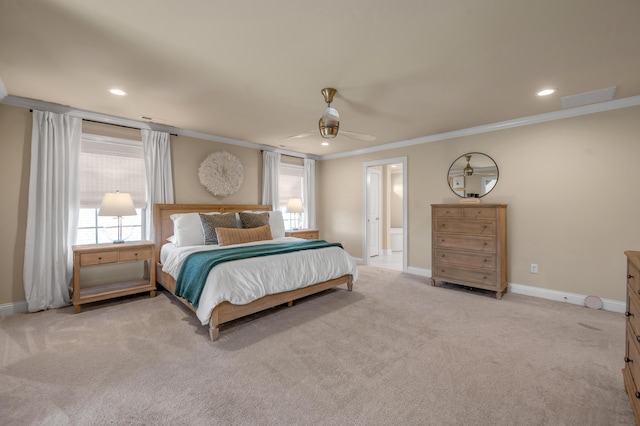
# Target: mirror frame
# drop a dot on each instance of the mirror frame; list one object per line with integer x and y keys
{"x": 462, "y": 156}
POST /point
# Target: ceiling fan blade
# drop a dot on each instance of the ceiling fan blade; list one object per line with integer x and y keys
{"x": 357, "y": 136}
{"x": 301, "y": 135}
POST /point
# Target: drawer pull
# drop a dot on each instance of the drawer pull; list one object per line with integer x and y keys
{"x": 628, "y": 314}
{"x": 443, "y": 255}
{"x": 99, "y": 258}
{"x": 629, "y": 276}
{"x": 627, "y": 359}
{"x": 638, "y": 395}
{"x": 638, "y": 338}
{"x": 485, "y": 260}
{"x": 485, "y": 243}
{"x": 485, "y": 277}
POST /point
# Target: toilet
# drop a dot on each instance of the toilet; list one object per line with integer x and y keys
{"x": 396, "y": 239}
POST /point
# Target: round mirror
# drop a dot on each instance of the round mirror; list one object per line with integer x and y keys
{"x": 473, "y": 175}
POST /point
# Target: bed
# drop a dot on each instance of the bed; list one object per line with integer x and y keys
{"x": 320, "y": 269}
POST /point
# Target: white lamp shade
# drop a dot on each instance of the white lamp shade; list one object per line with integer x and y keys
{"x": 294, "y": 205}
{"x": 117, "y": 204}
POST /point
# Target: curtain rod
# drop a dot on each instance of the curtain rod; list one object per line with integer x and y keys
{"x": 113, "y": 124}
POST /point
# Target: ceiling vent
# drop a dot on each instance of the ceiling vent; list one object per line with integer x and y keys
{"x": 588, "y": 98}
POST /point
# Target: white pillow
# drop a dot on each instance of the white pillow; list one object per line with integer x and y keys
{"x": 276, "y": 222}
{"x": 187, "y": 229}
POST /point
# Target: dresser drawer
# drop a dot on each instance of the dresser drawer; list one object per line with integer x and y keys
{"x": 479, "y": 212}
{"x": 632, "y": 356}
{"x": 633, "y": 311}
{"x": 483, "y": 227}
{"x": 448, "y": 212}
{"x": 462, "y": 275}
{"x": 98, "y": 258}
{"x": 633, "y": 278}
{"x": 465, "y": 242}
{"x": 128, "y": 255}
{"x": 474, "y": 260}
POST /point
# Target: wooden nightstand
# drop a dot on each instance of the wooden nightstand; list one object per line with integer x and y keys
{"x": 101, "y": 254}
{"x": 307, "y": 234}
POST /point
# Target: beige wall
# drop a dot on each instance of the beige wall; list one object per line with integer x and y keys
{"x": 15, "y": 154}
{"x": 187, "y": 154}
{"x": 569, "y": 185}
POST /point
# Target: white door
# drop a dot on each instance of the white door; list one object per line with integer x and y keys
{"x": 373, "y": 209}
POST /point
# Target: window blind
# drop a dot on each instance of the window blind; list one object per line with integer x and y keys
{"x": 289, "y": 183}
{"x": 110, "y": 165}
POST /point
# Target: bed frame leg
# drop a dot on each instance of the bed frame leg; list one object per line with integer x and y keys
{"x": 213, "y": 333}
{"x": 290, "y": 303}
{"x": 214, "y": 325}
{"x": 350, "y": 284}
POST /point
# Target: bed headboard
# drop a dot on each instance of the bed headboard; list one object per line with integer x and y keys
{"x": 163, "y": 225}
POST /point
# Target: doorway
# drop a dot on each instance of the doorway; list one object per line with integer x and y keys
{"x": 385, "y": 213}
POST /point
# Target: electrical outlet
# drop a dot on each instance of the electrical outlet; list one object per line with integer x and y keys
{"x": 534, "y": 268}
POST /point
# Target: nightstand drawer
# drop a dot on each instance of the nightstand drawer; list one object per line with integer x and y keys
{"x": 127, "y": 255}
{"x": 98, "y": 258}
{"x": 307, "y": 234}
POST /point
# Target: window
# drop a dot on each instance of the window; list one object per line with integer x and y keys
{"x": 110, "y": 165}
{"x": 290, "y": 184}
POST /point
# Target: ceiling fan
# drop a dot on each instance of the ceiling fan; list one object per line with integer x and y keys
{"x": 329, "y": 123}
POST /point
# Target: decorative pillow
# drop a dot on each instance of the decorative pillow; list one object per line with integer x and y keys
{"x": 253, "y": 220}
{"x": 276, "y": 221}
{"x": 209, "y": 223}
{"x": 228, "y": 236}
{"x": 187, "y": 229}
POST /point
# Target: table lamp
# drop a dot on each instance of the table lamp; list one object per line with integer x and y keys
{"x": 117, "y": 204}
{"x": 294, "y": 205}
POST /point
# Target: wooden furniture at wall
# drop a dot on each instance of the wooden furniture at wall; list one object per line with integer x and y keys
{"x": 226, "y": 311}
{"x": 307, "y": 234}
{"x": 103, "y": 254}
{"x": 469, "y": 245}
{"x": 631, "y": 370}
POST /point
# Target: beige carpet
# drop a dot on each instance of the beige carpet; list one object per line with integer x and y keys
{"x": 394, "y": 351}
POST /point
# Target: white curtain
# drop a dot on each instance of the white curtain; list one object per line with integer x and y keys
{"x": 52, "y": 214}
{"x": 309, "y": 194}
{"x": 157, "y": 164}
{"x": 270, "y": 177}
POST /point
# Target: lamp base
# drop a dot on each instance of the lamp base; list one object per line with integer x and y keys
{"x": 118, "y": 242}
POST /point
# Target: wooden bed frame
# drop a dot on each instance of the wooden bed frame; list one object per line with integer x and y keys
{"x": 225, "y": 312}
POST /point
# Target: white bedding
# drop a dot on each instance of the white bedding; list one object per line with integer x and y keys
{"x": 243, "y": 281}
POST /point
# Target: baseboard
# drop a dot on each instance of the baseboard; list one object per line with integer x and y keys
{"x": 544, "y": 293}
{"x": 13, "y": 308}
{"x": 563, "y": 296}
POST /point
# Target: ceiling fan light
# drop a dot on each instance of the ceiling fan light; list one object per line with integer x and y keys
{"x": 468, "y": 171}
{"x": 326, "y": 131}
{"x": 329, "y": 123}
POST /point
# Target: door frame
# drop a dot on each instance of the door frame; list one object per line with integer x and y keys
{"x": 372, "y": 171}
{"x": 365, "y": 204}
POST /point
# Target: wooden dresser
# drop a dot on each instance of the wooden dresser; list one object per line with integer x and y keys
{"x": 631, "y": 370}
{"x": 469, "y": 245}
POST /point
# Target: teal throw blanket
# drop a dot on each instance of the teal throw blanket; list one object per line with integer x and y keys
{"x": 195, "y": 268}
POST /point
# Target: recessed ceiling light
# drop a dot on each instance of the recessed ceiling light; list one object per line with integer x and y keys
{"x": 118, "y": 92}
{"x": 325, "y": 144}
{"x": 546, "y": 92}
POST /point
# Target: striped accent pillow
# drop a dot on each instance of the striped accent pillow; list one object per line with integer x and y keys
{"x": 228, "y": 236}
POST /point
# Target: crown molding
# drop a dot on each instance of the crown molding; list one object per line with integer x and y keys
{"x": 127, "y": 122}
{"x": 518, "y": 122}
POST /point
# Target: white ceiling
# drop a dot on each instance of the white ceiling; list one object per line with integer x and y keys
{"x": 253, "y": 70}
